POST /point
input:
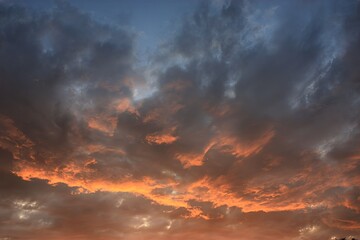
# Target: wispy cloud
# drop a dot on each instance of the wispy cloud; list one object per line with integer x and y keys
{"x": 249, "y": 128}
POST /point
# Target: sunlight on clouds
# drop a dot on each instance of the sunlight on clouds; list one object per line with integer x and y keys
{"x": 160, "y": 138}
{"x": 106, "y": 125}
{"x": 241, "y": 123}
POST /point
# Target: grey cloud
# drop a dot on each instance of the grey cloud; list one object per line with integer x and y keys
{"x": 262, "y": 96}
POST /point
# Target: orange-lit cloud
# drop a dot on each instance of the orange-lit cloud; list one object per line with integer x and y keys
{"x": 124, "y": 104}
{"x": 236, "y": 126}
{"x": 226, "y": 144}
{"x": 106, "y": 125}
{"x": 14, "y": 140}
{"x": 161, "y": 138}
{"x": 232, "y": 145}
{"x": 216, "y": 192}
{"x": 193, "y": 159}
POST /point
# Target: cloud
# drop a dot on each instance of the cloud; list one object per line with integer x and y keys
{"x": 252, "y": 130}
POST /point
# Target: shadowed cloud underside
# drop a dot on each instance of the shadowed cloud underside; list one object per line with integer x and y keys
{"x": 242, "y": 124}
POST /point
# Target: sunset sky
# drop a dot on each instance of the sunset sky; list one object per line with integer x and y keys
{"x": 179, "y": 119}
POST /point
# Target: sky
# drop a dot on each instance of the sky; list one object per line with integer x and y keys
{"x": 172, "y": 120}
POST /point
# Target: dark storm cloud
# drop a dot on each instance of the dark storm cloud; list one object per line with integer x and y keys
{"x": 238, "y": 77}
{"x": 47, "y": 58}
{"x": 252, "y": 130}
{"x": 59, "y": 71}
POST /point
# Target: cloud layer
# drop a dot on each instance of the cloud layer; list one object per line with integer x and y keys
{"x": 244, "y": 125}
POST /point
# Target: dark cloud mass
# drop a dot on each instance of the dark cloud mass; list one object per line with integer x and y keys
{"x": 242, "y": 124}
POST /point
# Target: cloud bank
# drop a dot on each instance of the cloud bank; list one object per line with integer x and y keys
{"x": 243, "y": 125}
